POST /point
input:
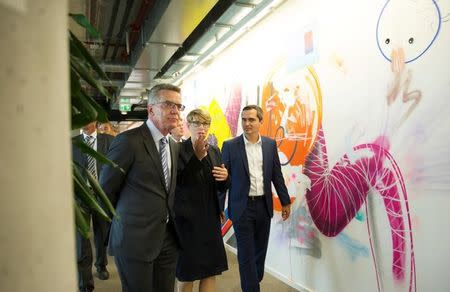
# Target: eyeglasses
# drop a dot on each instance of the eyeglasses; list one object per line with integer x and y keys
{"x": 197, "y": 124}
{"x": 171, "y": 105}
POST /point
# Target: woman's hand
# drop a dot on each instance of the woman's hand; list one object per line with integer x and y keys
{"x": 200, "y": 145}
{"x": 220, "y": 173}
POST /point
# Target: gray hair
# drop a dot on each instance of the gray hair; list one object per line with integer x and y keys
{"x": 153, "y": 93}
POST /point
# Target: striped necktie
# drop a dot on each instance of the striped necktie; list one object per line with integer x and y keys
{"x": 92, "y": 166}
{"x": 163, "y": 154}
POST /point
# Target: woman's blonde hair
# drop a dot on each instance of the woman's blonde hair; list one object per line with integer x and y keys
{"x": 199, "y": 115}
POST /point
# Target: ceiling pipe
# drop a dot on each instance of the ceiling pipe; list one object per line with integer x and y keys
{"x": 123, "y": 24}
{"x": 112, "y": 22}
{"x": 148, "y": 27}
{"x": 213, "y": 15}
{"x": 136, "y": 26}
{"x": 107, "y": 83}
{"x": 115, "y": 67}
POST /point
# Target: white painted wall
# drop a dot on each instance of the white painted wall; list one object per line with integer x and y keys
{"x": 355, "y": 79}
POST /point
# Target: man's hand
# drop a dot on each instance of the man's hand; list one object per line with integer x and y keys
{"x": 220, "y": 173}
{"x": 200, "y": 146}
{"x": 285, "y": 212}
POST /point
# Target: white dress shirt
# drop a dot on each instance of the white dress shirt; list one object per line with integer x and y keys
{"x": 255, "y": 166}
{"x": 94, "y": 135}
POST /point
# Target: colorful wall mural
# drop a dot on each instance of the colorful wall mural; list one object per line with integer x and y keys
{"x": 356, "y": 94}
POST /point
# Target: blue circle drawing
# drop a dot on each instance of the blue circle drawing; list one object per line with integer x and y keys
{"x": 411, "y": 40}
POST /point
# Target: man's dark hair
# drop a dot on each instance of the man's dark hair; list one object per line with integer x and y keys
{"x": 258, "y": 109}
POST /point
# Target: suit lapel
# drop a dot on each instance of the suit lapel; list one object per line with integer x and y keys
{"x": 152, "y": 151}
{"x": 174, "y": 158}
{"x": 265, "y": 155}
{"x": 241, "y": 145}
{"x": 82, "y": 156}
{"x": 100, "y": 149}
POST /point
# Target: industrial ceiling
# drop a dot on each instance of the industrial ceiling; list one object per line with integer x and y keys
{"x": 145, "y": 42}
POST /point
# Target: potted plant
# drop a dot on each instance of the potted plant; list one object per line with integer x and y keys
{"x": 84, "y": 111}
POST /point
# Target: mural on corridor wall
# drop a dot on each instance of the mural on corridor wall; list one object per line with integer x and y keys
{"x": 360, "y": 113}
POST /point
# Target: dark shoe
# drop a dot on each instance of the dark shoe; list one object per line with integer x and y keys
{"x": 102, "y": 273}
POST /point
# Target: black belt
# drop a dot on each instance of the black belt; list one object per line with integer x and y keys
{"x": 254, "y": 198}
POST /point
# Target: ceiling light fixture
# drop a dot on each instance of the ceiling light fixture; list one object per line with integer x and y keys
{"x": 258, "y": 13}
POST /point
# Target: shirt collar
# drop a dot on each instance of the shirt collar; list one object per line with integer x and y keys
{"x": 156, "y": 134}
{"x": 247, "y": 142}
{"x": 93, "y": 134}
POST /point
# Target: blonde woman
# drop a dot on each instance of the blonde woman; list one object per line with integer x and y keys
{"x": 201, "y": 175}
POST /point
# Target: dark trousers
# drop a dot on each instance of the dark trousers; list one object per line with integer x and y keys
{"x": 252, "y": 235}
{"x": 155, "y": 276}
{"x": 84, "y": 251}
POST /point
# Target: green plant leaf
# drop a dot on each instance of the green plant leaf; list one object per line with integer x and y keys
{"x": 80, "y": 51}
{"x": 102, "y": 116}
{"x": 82, "y": 226}
{"x": 84, "y": 22}
{"x": 79, "y": 120}
{"x": 83, "y": 193}
{"x": 82, "y": 105}
{"x": 84, "y": 72}
{"x": 80, "y": 144}
{"x": 75, "y": 85}
{"x": 84, "y": 109}
{"x": 100, "y": 193}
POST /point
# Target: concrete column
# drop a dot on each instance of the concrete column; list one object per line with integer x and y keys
{"x": 37, "y": 246}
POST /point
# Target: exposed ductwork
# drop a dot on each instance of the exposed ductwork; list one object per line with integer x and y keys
{"x": 152, "y": 45}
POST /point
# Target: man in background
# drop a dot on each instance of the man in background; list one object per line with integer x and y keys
{"x": 106, "y": 128}
{"x": 100, "y": 143}
{"x": 178, "y": 132}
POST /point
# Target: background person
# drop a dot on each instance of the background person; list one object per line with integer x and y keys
{"x": 101, "y": 143}
{"x": 177, "y": 133}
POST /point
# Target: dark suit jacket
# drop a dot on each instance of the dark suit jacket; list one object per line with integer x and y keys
{"x": 190, "y": 180}
{"x": 235, "y": 159}
{"x": 139, "y": 196}
{"x": 103, "y": 143}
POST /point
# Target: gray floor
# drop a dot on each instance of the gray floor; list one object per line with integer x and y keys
{"x": 227, "y": 282}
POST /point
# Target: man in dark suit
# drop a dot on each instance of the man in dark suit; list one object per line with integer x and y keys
{"x": 99, "y": 142}
{"x": 253, "y": 165}
{"x": 143, "y": 239}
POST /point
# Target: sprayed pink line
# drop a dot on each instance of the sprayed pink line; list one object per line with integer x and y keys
{"x": 233, "y": 109}
{"x": 412, "y": 279}
{"x": 337, "y": 194}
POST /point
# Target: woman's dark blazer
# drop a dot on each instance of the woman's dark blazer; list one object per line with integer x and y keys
{"x": 190, "y": 181}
